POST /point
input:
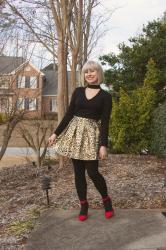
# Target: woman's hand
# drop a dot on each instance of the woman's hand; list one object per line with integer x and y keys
{"x": 103, "y": 152}
{"x": 51, "y": 139}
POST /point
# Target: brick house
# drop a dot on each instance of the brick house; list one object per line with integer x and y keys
{"x": 31, "y": 89}
{"x": 21, "y": 85}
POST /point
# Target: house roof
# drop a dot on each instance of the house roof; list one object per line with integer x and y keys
{"x": 50, "y": 86}
{"x": 51, "y": 66}
{"x": 9, "y": 63}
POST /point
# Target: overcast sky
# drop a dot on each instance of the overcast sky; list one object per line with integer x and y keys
{"x": 127, "y": 20}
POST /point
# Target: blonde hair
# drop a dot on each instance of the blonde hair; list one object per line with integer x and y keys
{"x": 92, "y": 65}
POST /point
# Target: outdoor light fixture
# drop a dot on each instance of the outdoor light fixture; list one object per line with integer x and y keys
{"x": 49, "y": 167}
{"x": 33, "y": 163}
{"x": 46, "y": 180}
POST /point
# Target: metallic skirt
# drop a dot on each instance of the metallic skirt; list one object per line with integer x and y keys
{"x": 79, "y": 140}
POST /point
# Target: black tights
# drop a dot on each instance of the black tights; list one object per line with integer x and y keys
{"x": 80, "y": 180}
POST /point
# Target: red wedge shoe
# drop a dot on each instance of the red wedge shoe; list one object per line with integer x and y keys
{"x": 84, "y": 210}
{"x": 109, "y": 214}
{"x": 109, "y": 211}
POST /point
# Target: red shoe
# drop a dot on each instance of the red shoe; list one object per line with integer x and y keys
{"x": 109, "y": 214}
{"x": 82, "y": 217}
{"x": 109, "y": 211}
{"x": 84, "y": 210}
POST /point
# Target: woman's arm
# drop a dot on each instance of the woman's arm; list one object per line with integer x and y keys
{"x": 105, "y": 120}
{"x": 68, "y": 115}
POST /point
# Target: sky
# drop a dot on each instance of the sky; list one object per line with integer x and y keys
{"x": 127, "y": 19}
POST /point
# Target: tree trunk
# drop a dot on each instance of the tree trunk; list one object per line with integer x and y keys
{"x": 73, "y": 71}
{"x": 38, "y": 159}
{"x": 66, "y": 84}
{"x": 62, "y": 65}
{"x": 62, "y": 80}
{"x": 7, "y": 135}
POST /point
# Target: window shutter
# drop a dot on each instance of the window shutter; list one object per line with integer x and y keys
{"x": 27, "y": 81}
{"x": 50, "y": 104}
{"x": 17, "y": 81}
{"x": 26, "y": 103}
{"x": 36, "y": 104}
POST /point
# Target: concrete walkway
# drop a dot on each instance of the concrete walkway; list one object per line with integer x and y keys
{"x": 129, "y": 229}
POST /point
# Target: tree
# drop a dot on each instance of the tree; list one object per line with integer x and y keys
{"x": 158, "y": 131}
{"x": 132, "y": 115}
{"x": 12, "y": 114}
{"x": 128, "y": 68}
{"x": 36, "y": 137}
{"x": 58, "y": 26}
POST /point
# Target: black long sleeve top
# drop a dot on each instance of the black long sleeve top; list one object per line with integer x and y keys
{"x": 98, "y": 108}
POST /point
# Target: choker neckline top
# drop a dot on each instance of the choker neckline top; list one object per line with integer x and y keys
{"x": 94, "y": 86}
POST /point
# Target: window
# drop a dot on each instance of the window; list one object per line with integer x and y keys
{"x": 21, "y": 82}
{"x": 3, "y": 104}
{"x": 53, "y": 105}
{"x": 4, "y": 82}
{"x": 27, "y": 103}
{"x": 21, "y": 103}
{"x": 33, "y": 82}
{"x": 27, "y": 82}
{"x": 32, "y": 104}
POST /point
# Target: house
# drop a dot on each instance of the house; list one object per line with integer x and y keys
{"x": 25, "y": 87}
{"x": 50, "y": 89}
{"x": 20, "y": 86}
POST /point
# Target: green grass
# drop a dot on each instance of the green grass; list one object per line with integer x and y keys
{"x": 19, "y": 227}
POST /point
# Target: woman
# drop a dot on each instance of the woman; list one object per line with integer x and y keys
{"x": 82, "y": 135}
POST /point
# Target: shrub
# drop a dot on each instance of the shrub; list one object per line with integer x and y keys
{"x": 158, "y": 131}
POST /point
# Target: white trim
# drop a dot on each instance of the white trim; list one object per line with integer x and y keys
{"x": 27, "y": 62}
{"x": 35, "y": 68}
{"x": 53, "y": 105}
{"x": 15, "y": 70}
{"x": 21, "y": 82}
{"x": 32, "y": 103}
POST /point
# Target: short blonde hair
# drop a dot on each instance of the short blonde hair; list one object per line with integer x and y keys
{"x": 92, "y": 65}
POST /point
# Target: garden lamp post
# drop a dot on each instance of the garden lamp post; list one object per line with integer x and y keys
{"x": 46, "y": 186}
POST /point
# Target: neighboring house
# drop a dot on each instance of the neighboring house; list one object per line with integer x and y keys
{"x": 27, "y": 87}
{"x": 50, "y": 89}
{"x": 20, "y": 86}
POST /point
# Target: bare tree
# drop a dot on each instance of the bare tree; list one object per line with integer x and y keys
{"x": 35, "y": 135}
{"x": 11, "y": 113}
{"x": 64, "y": 29}
{"x": 67, "y": 29}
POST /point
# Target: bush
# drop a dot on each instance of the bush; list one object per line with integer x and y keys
{"x": 132, "y": 114}
{"x": 2, "y": 118}
{"x": 158, "y": 131}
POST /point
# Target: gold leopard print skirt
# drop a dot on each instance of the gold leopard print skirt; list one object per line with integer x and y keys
{"x": 79, "y": 140}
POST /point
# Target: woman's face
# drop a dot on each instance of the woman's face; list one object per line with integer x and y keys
{"x": 91, "y": 76}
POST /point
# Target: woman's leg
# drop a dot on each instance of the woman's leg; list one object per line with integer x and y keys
{"x": 96, "y": 177}
{"x": 100, "y": 184}
{"x": 81, "y": 187}
{"x": 80, "y": 180}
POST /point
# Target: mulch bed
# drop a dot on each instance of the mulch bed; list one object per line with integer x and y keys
{"x": 133, "y": 181}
